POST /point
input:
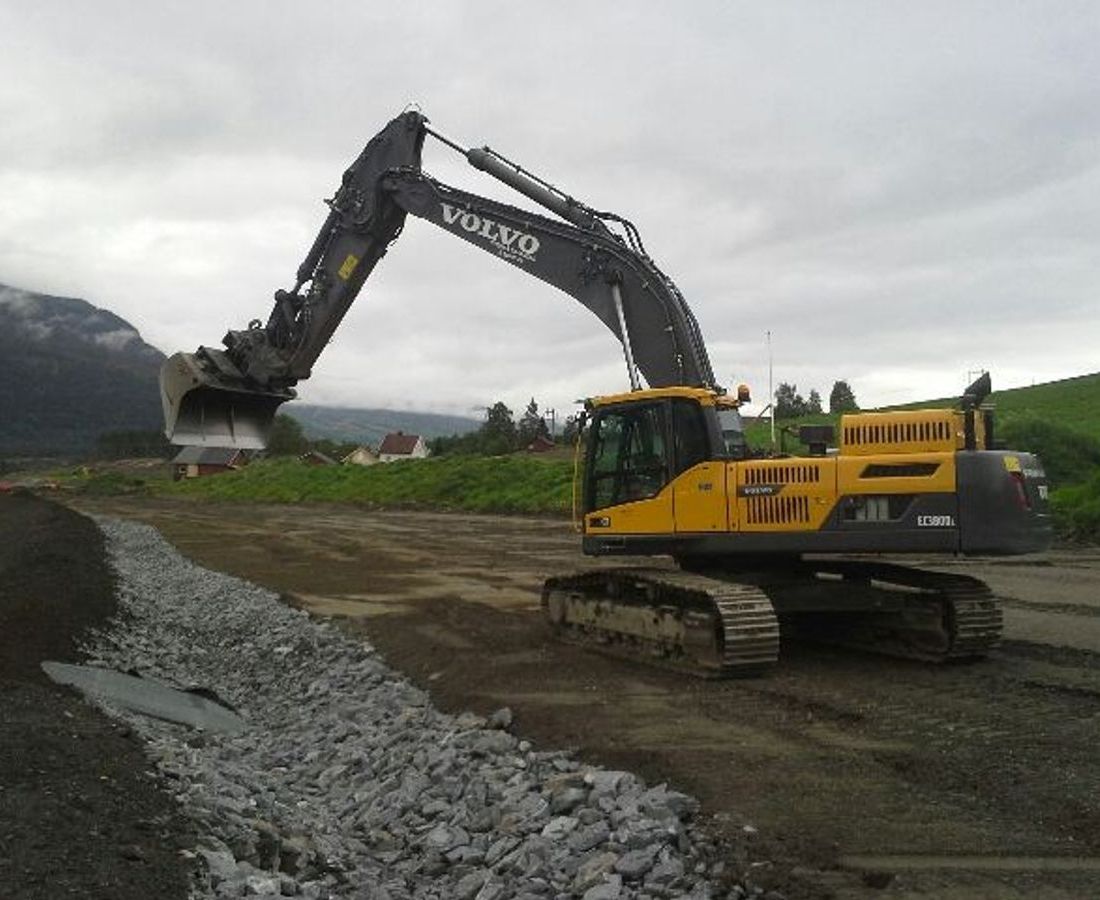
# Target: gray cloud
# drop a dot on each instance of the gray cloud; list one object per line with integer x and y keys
{"x": 899, "y": 193}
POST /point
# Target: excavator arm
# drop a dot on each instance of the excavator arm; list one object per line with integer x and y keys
{"x": 913, "y": 481}
{"x": 229, "y": 397}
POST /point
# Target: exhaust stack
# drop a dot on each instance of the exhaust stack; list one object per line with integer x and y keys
{"x": 209, "y": 403}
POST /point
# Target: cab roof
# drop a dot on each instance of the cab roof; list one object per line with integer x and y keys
{"x": 703, "y": 396}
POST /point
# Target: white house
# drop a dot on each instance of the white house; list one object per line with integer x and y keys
{"x": 401, "y": 446}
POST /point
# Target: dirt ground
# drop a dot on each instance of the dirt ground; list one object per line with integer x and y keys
{"x": 79, "y": 814}
{"x": 837, "y": 775}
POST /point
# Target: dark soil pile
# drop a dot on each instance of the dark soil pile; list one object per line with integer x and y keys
{"x": 79, "y": 814}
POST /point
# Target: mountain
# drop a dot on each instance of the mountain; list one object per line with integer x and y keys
{"x": 369, "y": 426}
{"x": 70, "y": 371}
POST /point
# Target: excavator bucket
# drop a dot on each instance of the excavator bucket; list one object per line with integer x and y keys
{"x": 207, "y": 406}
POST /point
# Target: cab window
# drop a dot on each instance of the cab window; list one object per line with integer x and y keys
{"x": 733, "y": 433}
{"x": 629, "y": 458}
{"x": 689, "y": 432}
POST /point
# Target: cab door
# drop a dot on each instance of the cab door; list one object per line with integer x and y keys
{"x": 629, "y": 470}
{"x": 699, "y": 488}
{"x": 699, "y": 498}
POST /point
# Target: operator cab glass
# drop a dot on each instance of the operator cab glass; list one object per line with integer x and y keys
{"x": 629, "y": 453}
{"x": 637, "y": 448}
{"x": 733, "y": 432}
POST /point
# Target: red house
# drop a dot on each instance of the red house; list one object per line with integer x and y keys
{"x": 192, "y": 462}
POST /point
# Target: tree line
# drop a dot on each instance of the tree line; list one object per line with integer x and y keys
{"x": 789, "y": 404}
{"x": 498, "y": 434}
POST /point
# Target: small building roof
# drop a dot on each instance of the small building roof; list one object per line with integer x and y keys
{"x": 540, "y": 444}
{"x": 363, "y": 450}
{"x": 207, "y": 456}
{"x": 399, "y": 443}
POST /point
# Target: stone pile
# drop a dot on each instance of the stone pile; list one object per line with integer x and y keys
{"x": 348, "y": 783}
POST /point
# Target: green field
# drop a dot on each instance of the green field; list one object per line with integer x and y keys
{"x": 519, "y": 483}
{"x": 1072, "y": 403}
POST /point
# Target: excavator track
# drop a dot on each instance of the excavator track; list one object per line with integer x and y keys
{"x": 718, "y": 623}
{"x": 677, "y": 620}
{"x": 931, "y": 616}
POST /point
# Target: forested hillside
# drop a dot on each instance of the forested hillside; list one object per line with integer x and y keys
{"x": 70, "y": 371}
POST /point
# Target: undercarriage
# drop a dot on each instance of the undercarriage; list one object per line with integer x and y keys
{"x": 715, "y": 621}
{"x": 676, "y": 619}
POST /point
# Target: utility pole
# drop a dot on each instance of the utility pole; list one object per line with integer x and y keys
{"x": 552, "y": 413}
{"x": 771, "y": 388}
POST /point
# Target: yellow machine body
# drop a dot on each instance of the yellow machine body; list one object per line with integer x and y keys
{"x": 893, "y": 483}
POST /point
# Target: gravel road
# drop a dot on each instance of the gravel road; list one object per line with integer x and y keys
{"x": 839, "y": 775}
{"x": 347, "y": 782}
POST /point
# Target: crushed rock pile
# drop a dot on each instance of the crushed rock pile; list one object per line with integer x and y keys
{"x": 348, "y": 783}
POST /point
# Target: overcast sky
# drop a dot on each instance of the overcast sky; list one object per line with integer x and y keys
{"x": 900, "y": 193}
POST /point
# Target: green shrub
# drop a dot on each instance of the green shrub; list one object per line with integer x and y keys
{"x": 1069, "y": 456}
{"x": 1077, "y": 510}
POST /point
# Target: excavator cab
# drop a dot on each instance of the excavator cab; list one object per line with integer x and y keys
{"x": 638, "y": 443}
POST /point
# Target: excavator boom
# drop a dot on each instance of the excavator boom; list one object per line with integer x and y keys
{"x": 229, "y": 397}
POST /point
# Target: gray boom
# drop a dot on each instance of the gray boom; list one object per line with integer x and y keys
{"x": 229, "y": 397}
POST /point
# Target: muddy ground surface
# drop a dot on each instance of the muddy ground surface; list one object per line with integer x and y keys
{"x": 79, "y": 814}
{"x": 837, "y": 775}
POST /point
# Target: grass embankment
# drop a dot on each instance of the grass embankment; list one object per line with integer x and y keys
{"x": 1059, "y": 420}
{"x": 1072, "y": 403}
{"x": 499, "y": 484}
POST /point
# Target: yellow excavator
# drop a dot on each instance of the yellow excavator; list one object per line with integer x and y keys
{"x": 764, "y": 542}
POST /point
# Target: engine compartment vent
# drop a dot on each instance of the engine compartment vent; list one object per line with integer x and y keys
{"x": 778, "y": 510}
{"x": 782, "y": 474}
{"x": 906, "y": 431}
